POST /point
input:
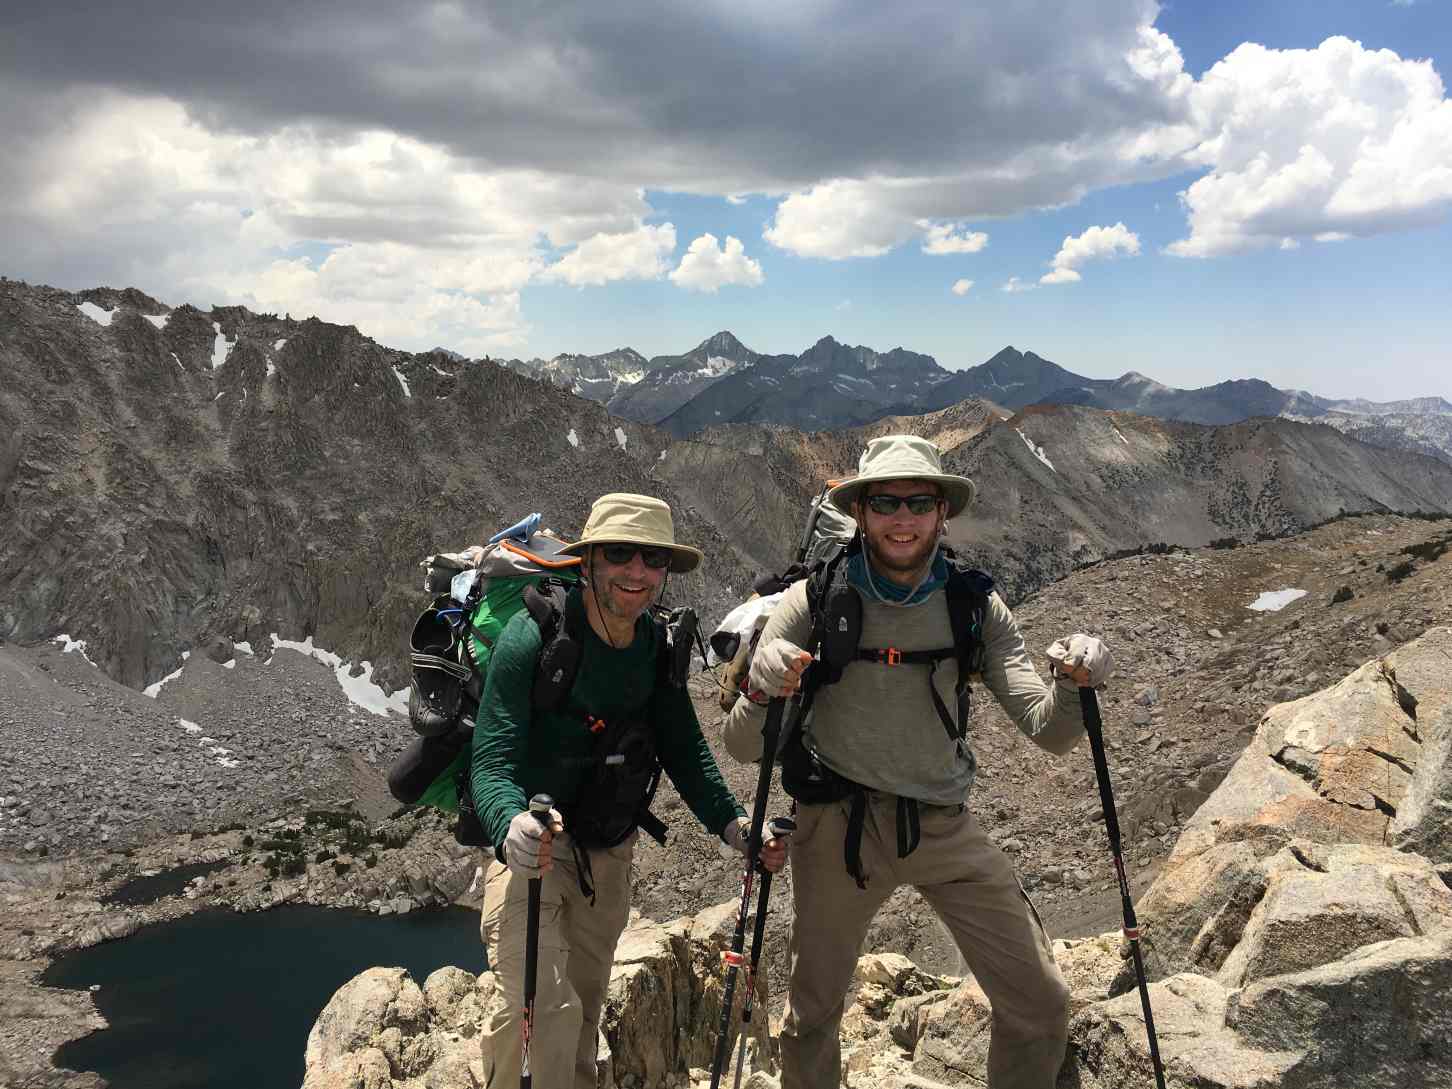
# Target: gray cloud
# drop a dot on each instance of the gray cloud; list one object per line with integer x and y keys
{"x": 710, "y": 96}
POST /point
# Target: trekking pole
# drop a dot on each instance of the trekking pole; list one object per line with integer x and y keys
{"x": 539, "y": 808}
{"x": 1094, "y": 727}
{"x": 779, "y": 828}
{"x": 770, "y": 736}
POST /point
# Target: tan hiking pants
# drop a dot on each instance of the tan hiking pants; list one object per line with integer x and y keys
{"x": 576, "y": 950}
{"x": 970, "y": 883}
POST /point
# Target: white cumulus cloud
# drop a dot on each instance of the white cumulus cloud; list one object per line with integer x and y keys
{"x": 943, "y": 238}
{"x": 1336, "y": 141}
{"x": 709, "y": 266}
{"x": 962, "y": 287}
{"x": 1013, "y": 285}
{"x": 404, "y": 239}
{"x": 1094, "y": 244}
{"x": 836, "y": 220}
{"x": 641, "y": 254}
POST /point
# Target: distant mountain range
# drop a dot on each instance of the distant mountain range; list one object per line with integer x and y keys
{"x": 832, "y": 385}
{"x": 172, "y": 474}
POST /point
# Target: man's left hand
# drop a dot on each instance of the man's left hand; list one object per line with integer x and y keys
{"x": 773, "y": 851}
{"x": 1081, "y": 660}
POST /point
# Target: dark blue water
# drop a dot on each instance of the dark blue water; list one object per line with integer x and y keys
{"x": 148, "y": 890}
{"x": 225, "y": 1001}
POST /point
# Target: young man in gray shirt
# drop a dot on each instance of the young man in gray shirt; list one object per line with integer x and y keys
{"x": 879, "y": 732}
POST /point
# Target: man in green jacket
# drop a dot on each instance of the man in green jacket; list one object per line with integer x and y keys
{"x": 628, "y": 548}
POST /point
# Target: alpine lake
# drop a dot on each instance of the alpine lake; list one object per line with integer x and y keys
{"x": 221, "y": 1000}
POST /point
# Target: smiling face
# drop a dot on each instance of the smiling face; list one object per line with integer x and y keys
{"x": 901, "y": 543}
{"x": 624, "y": 590}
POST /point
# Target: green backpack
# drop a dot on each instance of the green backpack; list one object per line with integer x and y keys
{"x": 478, "y": 592}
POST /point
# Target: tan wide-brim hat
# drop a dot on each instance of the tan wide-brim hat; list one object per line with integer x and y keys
{"x": 903, "y": 457}
{"x": 623, "y": 518}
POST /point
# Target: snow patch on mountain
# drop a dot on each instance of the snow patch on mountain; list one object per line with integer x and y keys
{"x": 221, "y": 346}
{"x": 1273, "y": 601}
{"x": 154, "y": 690}
{"x": 1038, "y": 451}
{"x": 360, "y": 690}
{"x": 95, "y": 313}
{"x": 67, "y": 644}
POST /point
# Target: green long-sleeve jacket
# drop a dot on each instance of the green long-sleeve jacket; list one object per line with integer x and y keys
{"x": 519, "y": 752}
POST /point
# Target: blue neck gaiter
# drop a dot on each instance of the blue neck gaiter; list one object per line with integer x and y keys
{"x": 875, "y": 586}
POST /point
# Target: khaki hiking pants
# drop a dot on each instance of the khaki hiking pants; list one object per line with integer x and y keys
{"x": 576, "y": 950}
{"x": 970, "y": 883}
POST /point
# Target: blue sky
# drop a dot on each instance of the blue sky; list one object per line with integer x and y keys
{"x": 1252, "y": 189}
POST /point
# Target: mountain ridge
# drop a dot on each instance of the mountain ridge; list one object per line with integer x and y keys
{"x": 177, "y": 475}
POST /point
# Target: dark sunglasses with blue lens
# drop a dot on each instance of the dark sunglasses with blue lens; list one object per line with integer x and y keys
{"x": 888, "y": 504}
{"x": 621, "y": 554}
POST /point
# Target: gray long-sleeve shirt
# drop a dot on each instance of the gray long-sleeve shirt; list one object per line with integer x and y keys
{"x": 878, "y": 726}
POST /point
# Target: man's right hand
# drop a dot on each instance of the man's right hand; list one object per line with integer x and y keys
{"x": 527, "y": 845}
{"x": 777, "y": 668}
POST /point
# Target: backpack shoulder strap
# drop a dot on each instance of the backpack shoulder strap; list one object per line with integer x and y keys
{"x": 967, "y": 593}
{"x": 836, "y": 612}
{"x": 560, "y": 644}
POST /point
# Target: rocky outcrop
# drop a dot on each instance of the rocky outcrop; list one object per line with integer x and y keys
{"x": 1311, "y": 804}
{"x": 382, "y": 1030}
{"x": 1296, "y": 944}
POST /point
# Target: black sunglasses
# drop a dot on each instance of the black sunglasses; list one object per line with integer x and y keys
{"x": 888, "y": 504}
{"x": 621, "y": 554}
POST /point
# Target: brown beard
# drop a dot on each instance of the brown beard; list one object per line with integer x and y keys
{"x": 919, "y": 559}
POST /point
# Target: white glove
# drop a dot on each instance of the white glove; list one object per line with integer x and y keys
{"x": 524, "y": 841}
{"x": 1081, "y": 658}
{"x": 773, "y": 851}
{"x": 735, "y": 833}
{"x": 776, "y": 669}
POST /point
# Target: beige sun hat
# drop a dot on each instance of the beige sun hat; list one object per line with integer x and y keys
{"x": 903, "y": 457}
{"x": 623, "y": 518}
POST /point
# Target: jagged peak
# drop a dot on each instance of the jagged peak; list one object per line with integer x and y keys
{"x": 723, "y": 343}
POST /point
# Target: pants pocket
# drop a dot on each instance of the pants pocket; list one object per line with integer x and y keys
{"x": 809, "y": 819}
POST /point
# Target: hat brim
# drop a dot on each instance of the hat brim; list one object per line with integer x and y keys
{"x": 957, "y": 490}
{"x": 684, "y": 558}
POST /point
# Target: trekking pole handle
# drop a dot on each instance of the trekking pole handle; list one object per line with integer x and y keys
{"x": 780, "y": 827}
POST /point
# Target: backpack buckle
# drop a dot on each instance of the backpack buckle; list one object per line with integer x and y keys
{"x": 892, "y": 656}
